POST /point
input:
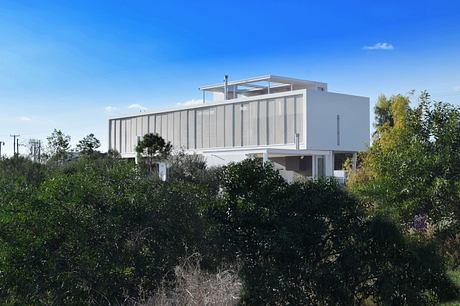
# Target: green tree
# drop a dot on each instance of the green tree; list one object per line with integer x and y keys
{"x": 382, "y": 111}
{"x": 88, "y": 145}
{"x": 412, "y": 171}
{"x": 387, "y": 110}
{"x": 58, "y": 145}
{"x": 153, "y": 148}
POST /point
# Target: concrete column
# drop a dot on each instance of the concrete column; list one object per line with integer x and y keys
{"x": 329, "y": 166}
{"x": 265, "y": 156}
{"x": 314, "y": 167}
{"x": 354, "y": 160}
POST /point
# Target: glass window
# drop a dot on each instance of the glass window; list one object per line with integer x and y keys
{"x": 340, "y": 158}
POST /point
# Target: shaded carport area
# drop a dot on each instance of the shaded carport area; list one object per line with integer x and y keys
{"x": 294, "y": 163}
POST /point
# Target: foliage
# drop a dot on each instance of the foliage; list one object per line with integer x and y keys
{"x": 455, "y": 277}
{"x": 295, "y": 240}
{"x": 88, "y": 145}
{"x": 58, "y": 145}
{"x": 93, "y": 233}
{"x": 21, "y": 170}
{"x": 98, "y": 230}
{"x": 382, "y": 110}
{"x": 154, "y": 148}
{"x": 413, "y": 168}
{"x": 192, "y": 168}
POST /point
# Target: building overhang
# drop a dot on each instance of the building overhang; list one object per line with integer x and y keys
{"x": 271, "y": 152}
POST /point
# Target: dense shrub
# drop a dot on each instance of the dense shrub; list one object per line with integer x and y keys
{"x": 311, "y": 243}
{"x": 101, "y": 231}
{"x": 94, "y": 233}
{"x": 21, "y": 170}
{"x": 192, "y": 168}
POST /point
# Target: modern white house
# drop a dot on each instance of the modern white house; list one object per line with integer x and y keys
{"x": 298, "y": 125}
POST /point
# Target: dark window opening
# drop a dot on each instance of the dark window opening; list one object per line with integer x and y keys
{"x": 340, "y": 158}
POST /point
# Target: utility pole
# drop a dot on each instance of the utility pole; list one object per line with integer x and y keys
{"x": 14, "y": 142}
{"x": 35, "y": 149}
{"x": 39, "y": 150}
{"x": 17, "y": 146}
{"x": 2, "y": 143}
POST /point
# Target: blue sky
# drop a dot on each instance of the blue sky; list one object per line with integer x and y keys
{"x": 73, "y": 64}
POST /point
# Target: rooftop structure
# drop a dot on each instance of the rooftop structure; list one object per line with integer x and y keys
{"x": 256, "y": 86}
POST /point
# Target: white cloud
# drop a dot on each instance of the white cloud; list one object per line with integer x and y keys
{"x": 25, "y": 118}
{"x": 456, "y": 88}
{"x": 110, "y": 109}
{"x": 191, "y": 102}
{"x": 137, "y": 106}
{"x": 380, "y": 46}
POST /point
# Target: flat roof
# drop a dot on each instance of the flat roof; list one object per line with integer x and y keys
{"x": 255, "y": 82}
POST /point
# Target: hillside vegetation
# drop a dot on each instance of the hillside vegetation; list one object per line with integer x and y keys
{"x": 99, "y": 230}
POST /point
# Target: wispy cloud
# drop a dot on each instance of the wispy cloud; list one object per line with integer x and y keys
{"x": 110, "y": 109}
{"x": 380, "y": 46}
{"x": 137, "y": 106}
{"x": 25, "y": 119}
{"x": 191, "y": 102}
{"x": 456, "y": 88}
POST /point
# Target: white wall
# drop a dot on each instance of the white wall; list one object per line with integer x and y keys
{"x": 322, "y": 110}
{"x": 248, "y": 122}
{"x": 220, "y": 159}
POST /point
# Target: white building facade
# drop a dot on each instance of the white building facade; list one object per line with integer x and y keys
{"x": 303, "y": 129}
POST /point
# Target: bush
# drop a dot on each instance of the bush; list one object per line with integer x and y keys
{"x": 192, "y": 168}
{"x": 101, "y": 231}
{"x": 311, "y": 243}
{"x": 93, "y": 234}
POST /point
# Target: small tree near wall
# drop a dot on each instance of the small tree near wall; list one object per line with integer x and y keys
{"x": 153, "y": 148}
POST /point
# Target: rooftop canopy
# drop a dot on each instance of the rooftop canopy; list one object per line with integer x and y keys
{"x": 260, "y": 85}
